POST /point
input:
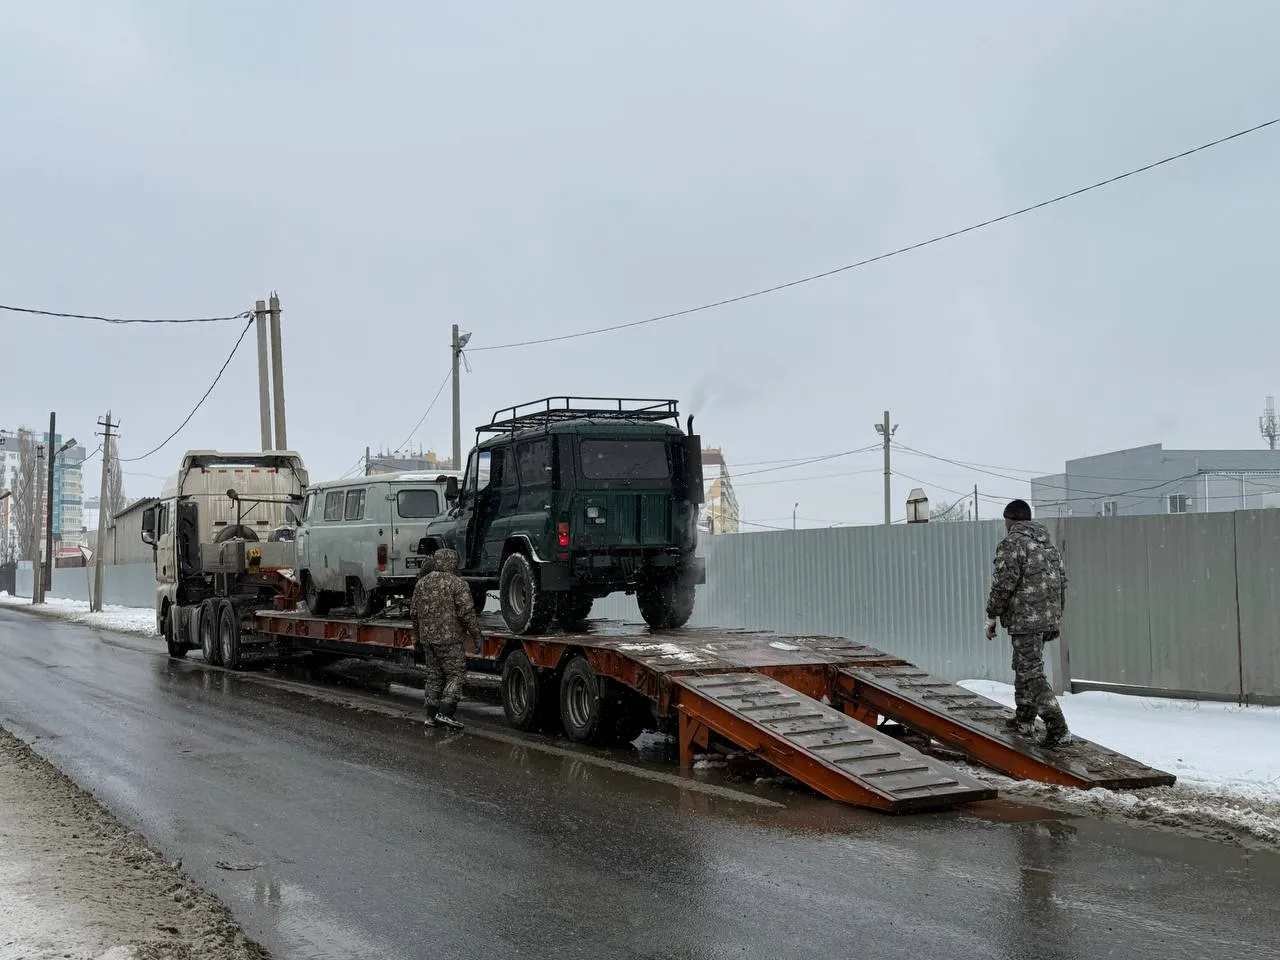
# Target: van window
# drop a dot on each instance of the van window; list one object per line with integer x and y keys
{"x": 534, "y": 458}
{"x": 333, "y": 505}
{"x": 355, "y": 504}
{"x": 624, "y": 459}
{"x": 418, "y": 504}
{"x": 502, "y": 470}
{"x": 477, "y": 472}
{"x": 308, "y": 507}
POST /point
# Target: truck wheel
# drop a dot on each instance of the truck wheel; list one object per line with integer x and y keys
{"x": 364, "y": 602}
{"x": 526, "y": 607}
{"x": 229, "y": 634}
{"x": 667, "y": 605}
{"x": 479, "y": 597}
{"x": 527, "y": 699}
{"x": 573, "y": 609}
{"x": 316, "y": 600}
{"x": 177, "y": 649}
{"x": 586, "y": 712}
{"x": 209, "y": 644}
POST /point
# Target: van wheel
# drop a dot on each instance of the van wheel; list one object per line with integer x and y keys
{"x": 209, "y": 644}
{"x": 573, "y": 609}
{"x": 528, "y": 700}
{"x": 526, "y": 607}
{"x": 229, "y": 634}
{"x": 317, "y": 601}
{"x": 667, "y": 605}
{"x": 365, "y": 602}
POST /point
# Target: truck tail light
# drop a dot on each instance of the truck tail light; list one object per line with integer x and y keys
{"x": 562, "y": 534}
{"x": 382, "y": 557}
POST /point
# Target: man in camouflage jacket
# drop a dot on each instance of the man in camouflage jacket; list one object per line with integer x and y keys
{"x": 1028, "y": 594}
{"x": 444, "y": 616}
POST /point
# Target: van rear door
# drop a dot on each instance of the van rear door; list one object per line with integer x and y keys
{"x": 624, "y": 488}
{"x": 412, "y": 507}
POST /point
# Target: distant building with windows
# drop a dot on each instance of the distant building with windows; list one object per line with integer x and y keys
{"x": 399, "y": 461}
{"x": 1152, "y": 480}
{"x": 719, "y": 514}
{"x": 68, "y": 488}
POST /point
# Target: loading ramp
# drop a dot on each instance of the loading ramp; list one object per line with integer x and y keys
{"x": 829, "y": 751}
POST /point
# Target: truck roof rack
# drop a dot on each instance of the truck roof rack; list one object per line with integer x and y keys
{"x": 543, "y": 413}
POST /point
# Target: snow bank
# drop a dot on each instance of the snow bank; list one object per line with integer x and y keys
{"x": 139, "y": 620}
{"x": 1216, "y": 748}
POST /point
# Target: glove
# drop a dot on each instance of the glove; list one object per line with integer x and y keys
{"x": 991, "y": 629}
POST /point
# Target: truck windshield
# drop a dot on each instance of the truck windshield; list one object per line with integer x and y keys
{"x": 417, "y": 504}
{"x": 625, "y": 460}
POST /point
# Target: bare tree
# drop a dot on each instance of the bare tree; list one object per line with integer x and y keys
{"x": 942, "y": 512}
{"x": 25, "y": 485}
{"x": 116, "y": 500}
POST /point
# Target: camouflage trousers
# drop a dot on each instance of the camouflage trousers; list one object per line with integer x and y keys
{"x": 446, "y": 667}
{"x": 1031, "y": 692}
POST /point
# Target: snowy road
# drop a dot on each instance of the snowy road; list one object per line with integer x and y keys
{"x": 334, "y": 832}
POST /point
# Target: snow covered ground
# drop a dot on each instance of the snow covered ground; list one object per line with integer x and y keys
{"x": 1214, "y": 747}
{"x": 137, "y": 620}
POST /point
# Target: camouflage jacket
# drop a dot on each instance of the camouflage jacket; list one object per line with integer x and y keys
{"x": 443, "y": 611}
{"x": 1029, "y": 585}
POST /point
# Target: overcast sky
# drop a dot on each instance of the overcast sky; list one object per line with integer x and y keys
{"x": 535, "y": 169}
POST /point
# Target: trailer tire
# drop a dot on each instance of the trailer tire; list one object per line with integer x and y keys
{"x": 365, "y": 602}
{"x": 209, "y": 644}
{"x": 528, "y": 700}
{"x": 229, "y": 634}
{"x": 574, "y": 608}
{"x": 177, "y": 649}
{"x": 667, "y": 605}
{"x": 526, "y": 607}
{"x": 318, "y": 602}
{"x": 586, "y": 711}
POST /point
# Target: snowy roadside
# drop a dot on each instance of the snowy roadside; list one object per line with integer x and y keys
{"x": 137, "y": 620}
{"x": 76, "y": 883}
{"x": 1223, "y": 755}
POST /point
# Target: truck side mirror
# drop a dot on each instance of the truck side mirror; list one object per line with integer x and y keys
{"x": 149, "y": 525}
{"x": 451, "y": 489}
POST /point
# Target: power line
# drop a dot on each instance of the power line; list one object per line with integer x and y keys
{"x": 226, "y": 363}
{"x": 122, "y": 320}
{"x": 891, "y": 253}
{"x": 443, "y": 382}
{"x": 816, "y": 476}
{"x": 804, "y": 463}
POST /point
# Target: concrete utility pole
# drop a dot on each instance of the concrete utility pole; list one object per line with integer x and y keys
{"x": 975, "y": 501}
{"x": 264, "y": 387}
{"x": 37, "y": 568}
{"x": 48, "y": 508}
{"x": 887, "y": 432}
{"x": 108, "y": 451}
{"x": 459, "y": 341}
{"x": 277, "y": 373}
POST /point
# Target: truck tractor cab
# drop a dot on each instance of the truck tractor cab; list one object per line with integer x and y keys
{"x": 569, "y": 499}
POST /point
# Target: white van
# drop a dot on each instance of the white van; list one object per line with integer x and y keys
{"x": 357, "y": 540}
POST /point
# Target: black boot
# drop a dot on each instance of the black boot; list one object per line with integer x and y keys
{"x": 446, "y": 718}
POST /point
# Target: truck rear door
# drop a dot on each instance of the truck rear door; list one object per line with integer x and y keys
{"x": 412, "y": 507}
{"x": 624, "y": 490}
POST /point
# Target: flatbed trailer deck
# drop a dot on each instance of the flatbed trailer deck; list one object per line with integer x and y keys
{"x": 809, "y": 705}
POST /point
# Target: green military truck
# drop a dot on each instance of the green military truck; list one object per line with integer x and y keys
{"x": 568, "y": 499}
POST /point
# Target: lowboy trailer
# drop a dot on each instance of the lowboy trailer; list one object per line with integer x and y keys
{"x": 811, "y": 706}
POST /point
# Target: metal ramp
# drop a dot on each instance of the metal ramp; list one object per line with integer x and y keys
{"x": 974, "y": 725}
{"x": 833, "y": 753}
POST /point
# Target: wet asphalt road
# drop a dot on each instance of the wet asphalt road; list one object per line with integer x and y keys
{"x": 354, "y": 834}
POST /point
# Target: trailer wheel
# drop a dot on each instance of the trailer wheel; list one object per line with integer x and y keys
{"x": 667, "y": 605}
{"x": 574, "y": 608}
{"x": 528, "y": 700}
{"x": 229, "y": 634}
{"x": 209, "y": 642}
{"x": 317, "y": 601}
{"x": 586, "y": 712}
{"x": 364, "y": 602}
{"x": 526, "y": 607}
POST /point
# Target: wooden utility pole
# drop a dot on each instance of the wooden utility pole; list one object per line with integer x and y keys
{"x": 456, "y": 350}
{"x": 975, "y": 501}
{"x": 264, "y": 381}
{"x": 277, "y": 373}
{"x": 99, "y": 551}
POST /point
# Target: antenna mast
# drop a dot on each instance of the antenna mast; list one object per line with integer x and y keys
{"x": 1268, "y": 424}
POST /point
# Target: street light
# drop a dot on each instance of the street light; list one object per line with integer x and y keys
{"x": 793, "y": 515}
